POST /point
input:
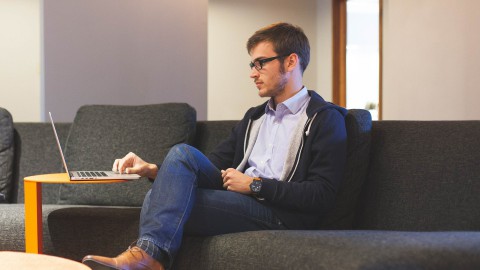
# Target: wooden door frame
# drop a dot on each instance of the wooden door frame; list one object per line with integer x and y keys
{"x": 339, "y": 51}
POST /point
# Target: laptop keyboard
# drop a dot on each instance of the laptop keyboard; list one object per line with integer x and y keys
{"x": 92, "y": 174}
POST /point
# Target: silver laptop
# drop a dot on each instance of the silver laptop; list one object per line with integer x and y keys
{"x": 90, "y": 175}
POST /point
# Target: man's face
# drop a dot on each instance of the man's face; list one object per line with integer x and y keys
{"x": 270, "y": 80}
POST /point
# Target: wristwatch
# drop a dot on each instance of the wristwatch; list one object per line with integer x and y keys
{"x": 256, "y": 185}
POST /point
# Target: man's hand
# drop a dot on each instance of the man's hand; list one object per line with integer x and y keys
{"x": 132, "y": 163}
{"x": 236, "y": 181}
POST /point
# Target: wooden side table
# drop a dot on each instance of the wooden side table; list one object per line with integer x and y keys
{"x": 33, "y": 205}
{"x": 24, "y": 261}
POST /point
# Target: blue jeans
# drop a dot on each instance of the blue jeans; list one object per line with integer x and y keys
{"x": 188, "y": 197}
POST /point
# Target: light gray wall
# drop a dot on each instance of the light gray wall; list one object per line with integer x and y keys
{"x": 324, "y": 49}
{"x": 230, "y": 23}
{"x": 431, "y": 53}
{"x": 20, "y": 59}
{"x": 124, "y": 52}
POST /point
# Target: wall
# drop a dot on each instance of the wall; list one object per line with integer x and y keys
{"x": 431, "y": 60}
{"x": 128, "y": 52}
{"x": 324, "y": 49}
{"x": 20, "y": 59}
{"x": 124, "y": 52}
{"x": 230, "y": 23}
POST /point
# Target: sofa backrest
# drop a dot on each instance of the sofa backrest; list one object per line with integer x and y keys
{"x": 209, "y": 134}
{"x": 102, "y": 133}
{"x": 6, "y": 155}
{"x": 358, "y": 124}
{"x": 424, "y": 176}
{"x": 36, "y": 152}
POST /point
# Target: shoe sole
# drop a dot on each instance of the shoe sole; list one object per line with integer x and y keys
{"x": 94, "y": 265}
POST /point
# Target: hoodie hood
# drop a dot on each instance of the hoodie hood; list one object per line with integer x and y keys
{"x": 318, "y": 104}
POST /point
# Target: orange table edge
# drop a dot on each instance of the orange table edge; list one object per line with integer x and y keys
{"x": 33, "y": 205}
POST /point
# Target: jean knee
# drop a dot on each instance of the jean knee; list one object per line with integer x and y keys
{"x": 181, "y": 147}
{"x": 180, "y": 153}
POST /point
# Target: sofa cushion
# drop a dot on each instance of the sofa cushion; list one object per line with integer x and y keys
{"x": 12, "y": 227}
{"x": 6, "y": 155}
{"x": 359, "y": 126}
{"x": 105, "y": 230}
{"x": 102, "y": 133}
{"x": 340, "y": 250}
{"x": 209, "y": 134}
{"x": 424, "y": 176}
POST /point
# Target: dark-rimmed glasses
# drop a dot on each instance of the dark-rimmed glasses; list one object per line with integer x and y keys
{"x": 258, "y": 64}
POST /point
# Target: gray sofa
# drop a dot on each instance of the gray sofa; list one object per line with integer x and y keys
{"x": 410, "y": 199}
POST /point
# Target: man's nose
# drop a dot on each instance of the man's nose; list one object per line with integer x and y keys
{"x": 254, "y": 73}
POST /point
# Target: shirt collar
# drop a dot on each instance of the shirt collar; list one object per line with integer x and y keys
{"x": 293, "y": 104}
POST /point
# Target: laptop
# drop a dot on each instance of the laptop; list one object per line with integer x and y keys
{"x": 89, "y": 175}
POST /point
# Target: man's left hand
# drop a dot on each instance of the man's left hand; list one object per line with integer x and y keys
{"x": 236, "y": 181}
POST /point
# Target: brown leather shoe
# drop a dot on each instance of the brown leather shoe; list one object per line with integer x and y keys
{"x": 134, "y": 258}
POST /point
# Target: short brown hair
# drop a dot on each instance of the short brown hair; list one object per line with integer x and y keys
{"x": 286, "y": 39}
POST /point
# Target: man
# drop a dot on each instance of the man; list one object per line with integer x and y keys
{"x": 279, "y": 169}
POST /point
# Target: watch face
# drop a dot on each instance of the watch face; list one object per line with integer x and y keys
{"x": 255, "y": 186}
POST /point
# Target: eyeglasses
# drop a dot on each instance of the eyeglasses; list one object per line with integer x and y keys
{"x": 258, "y": 64}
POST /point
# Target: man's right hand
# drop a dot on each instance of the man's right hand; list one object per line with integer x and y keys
{"x": 132, "y": 163}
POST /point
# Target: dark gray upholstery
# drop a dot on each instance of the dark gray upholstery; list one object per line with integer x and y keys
{"x": 102, "y": 133}
{"x": 359, "y": 127}
{"x": 77, "y": 231}
{"x": 12, "y": 227}
{"x": 210, "y": 133}
{"x": 365, "y": 250}
{"x": 424, "y": 176}
{"x": 37, "y": 153}
{"x": 6, "y": 155}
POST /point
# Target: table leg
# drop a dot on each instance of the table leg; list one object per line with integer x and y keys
{"x": 33, "y": 217}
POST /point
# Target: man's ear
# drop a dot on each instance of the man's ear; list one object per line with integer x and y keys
{"x": 292, "y": 62}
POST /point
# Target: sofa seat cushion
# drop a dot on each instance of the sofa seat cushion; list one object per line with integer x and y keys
{"x": 12, "y": 227}
{"x": 6, "y": 155}
{"x": 73, "y": 231}
{"x": 102, "y": 133}
{"x": 332, "y": 250}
